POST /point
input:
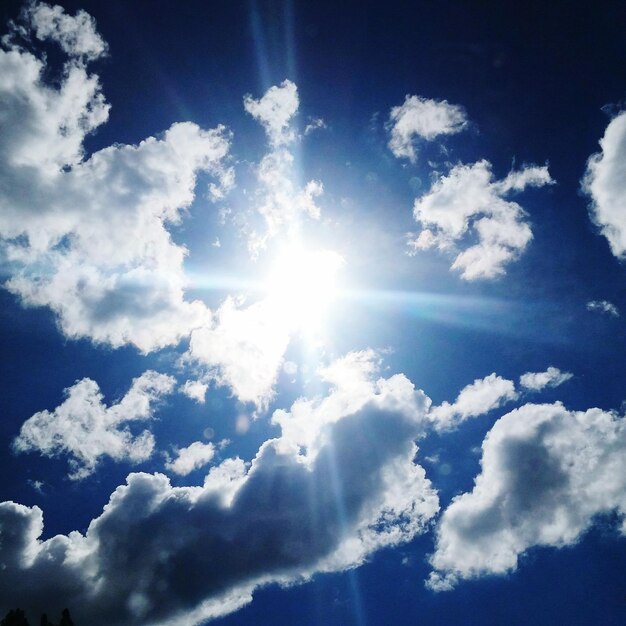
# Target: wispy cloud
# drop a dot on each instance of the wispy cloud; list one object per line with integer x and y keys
{"x": 603, "y": 306}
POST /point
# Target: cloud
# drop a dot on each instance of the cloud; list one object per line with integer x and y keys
{"x": 546, "y": 474}
{"x": 88, "y": 237}
{"x": 604, "y": 181}
{"x": 468, "y": 201}
{"x": 195, "y": 390}
{"x": 191, "y": 553}
{"x": 192, "y": 457}
{"x": 85, "y": 429}
{"x": 281, "y": 202}
{"x": 552, "y": 377}
{"x": 243, "y": 349}
{"x": 423, "y": 118}
{"x": 603, "y": 306}
{"x": 275, "y": 111}
{"x": 482, "y": 396}
{"x": 316, "y": 123}
{"x": 76, "y": 35}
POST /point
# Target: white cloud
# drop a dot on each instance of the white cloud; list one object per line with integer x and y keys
{"x": 478, "y": 398}
{"x": 88, "y": 238}
{"x": 280, "y": 200}
{"x": 76, "y": 35}
{"x": 275, "y": 111}
{"x": 468, "y": 201}
{"x": 552, "y": 377}
{"x": 605, "y": 182}
{"x": 192, "y": 457}
{"x": 424, "y": 118}
{"x": 546, "y": 474}
{"x": 603, "y": 306}
{"x": 316, "y": 123}
{"x": 248, "y": 525}
{"x": 244, "y": 348}
{"x": 195, "y": 390}
{"x": 86, "y": 430}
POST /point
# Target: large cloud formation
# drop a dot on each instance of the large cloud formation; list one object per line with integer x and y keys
{"x": 546, "y": 474}
{"x": 605, "y": 182}
{"x": 165, "y": 555}
{"x": 88, "y": 237}
{"x": 468, "y": 201}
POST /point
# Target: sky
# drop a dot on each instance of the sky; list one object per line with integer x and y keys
{"x": 312, "y": 313}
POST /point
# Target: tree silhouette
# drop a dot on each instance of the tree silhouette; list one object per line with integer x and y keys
{"x": 66, "y": 620}
{"x": 15, "y": 617}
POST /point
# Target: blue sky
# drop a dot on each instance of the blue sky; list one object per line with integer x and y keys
{"x": 313, "y": 314}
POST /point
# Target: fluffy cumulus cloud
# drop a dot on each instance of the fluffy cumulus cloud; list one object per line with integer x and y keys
{"x": 77, "y": 35}
{"x": 191, "y": 458}
{"x": 546, "y": 474}
{"x": 552, "y": 377}
{"x": 243, "y": 349}
{"x": 603, "y": 306}
{"x": 605, "y": 182}
{"x": 88, "y": 237}
{"x": 281, "y": 202}
{"x": 425, "y": 119}
{"x": 85, "y": 429}
{"x": 469, "y": 202}
{"x": 195, "y": 390}
{"x": 315, "y": 502}
{"x": 478, "y": 398}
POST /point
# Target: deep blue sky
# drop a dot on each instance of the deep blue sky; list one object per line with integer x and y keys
{"x": 539, "y": 82}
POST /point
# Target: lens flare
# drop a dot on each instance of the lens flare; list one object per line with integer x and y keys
{"x": 302, "y": 284}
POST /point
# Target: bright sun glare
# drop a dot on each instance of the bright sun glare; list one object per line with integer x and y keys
{"x": 303, "y": 283}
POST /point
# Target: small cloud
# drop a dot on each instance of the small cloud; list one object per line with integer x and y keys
{"x": 77, "y": 35}
{"x": 316, "y": 123}
{"x": 195, "y": 390}
{"x": 478, "y": 398}
{"x": 603, "y": 306}
{"x": 552, "y": 377}
{"x": 191, "y": 458}
{"x": 469, "y": 201}
{"x": 423, "y": 118}
{"x": 275, "y": 110}
{"x": 37, "y": 485}
{"x": 86, "y": 430}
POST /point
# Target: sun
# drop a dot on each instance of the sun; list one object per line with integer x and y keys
{"x": 302, "y": 283}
